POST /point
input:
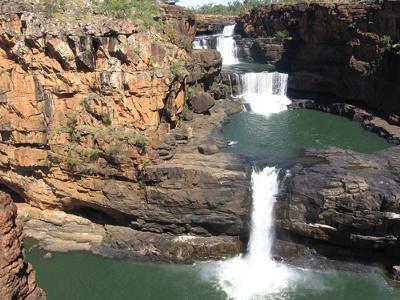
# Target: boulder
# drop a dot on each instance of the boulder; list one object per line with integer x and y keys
{"x": 396, "y": 273}
{"x": 201, "y": 102}
{"x": 209, "y": 149}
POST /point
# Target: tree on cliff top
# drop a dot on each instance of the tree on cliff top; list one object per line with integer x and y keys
{"x": 232, "y": 8}
{"x": 145, "y": 12}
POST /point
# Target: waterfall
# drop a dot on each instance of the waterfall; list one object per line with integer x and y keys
{"x": 226, "y": 45}
{"x": 223, "y": 42}
{"x": 201, "y": 42}
{"x": 256, "y": 274}
{"x": 265, "y": 92}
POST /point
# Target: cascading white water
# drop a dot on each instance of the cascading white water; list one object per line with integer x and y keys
{"x": 265, "y": 92}
{"x": 256, "y": 275}
{"x": 226, "y": 45}
{"x": 201, "y": 42}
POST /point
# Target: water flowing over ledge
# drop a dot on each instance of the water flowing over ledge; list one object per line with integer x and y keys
{"x": 265, "y": 92}
{"x": 224, "y": 43}
{"x": 256, "y": 274}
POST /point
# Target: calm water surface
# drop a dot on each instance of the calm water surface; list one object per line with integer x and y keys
{"x": 81, "y": 276}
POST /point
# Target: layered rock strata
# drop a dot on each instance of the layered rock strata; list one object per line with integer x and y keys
{"x": 17, "y": 278}
{"x": 192, "y": 206}
{"x": 347, "y": 199}
{"x": 344, "y": 50}
{"x": 91, "y": 125}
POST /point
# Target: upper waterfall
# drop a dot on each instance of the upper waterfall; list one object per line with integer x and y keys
{"x": 265, "y": 92}
{"x": 223, "y": 42}
{"x": 256, "y": 274}
{"x": 226, "y": 45}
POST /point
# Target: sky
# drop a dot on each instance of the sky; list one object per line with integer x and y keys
{"x": 189, "y": 3}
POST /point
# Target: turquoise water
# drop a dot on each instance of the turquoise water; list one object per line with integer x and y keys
{"x": 81, "y": 276}
{"x": 280, "y": 137}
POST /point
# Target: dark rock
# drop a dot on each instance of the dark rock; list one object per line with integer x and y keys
{"x": 201, "y": 102}
{"x": 180, "y": 134}
{"x": 277, "y": 258}
{"x": 396, "y": 273}
{"x": 209, "y": 24}
{"x": 208, "y": 149}
{"x": 333, "y": 49}
{"x": 350, "y": 200}
{"x": 187, "y": 115}
{"x": 206, "y": 66}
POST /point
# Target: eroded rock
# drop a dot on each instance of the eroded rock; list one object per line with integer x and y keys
{"x": 333, "y": 49}
{"x": 201, "y": 102}
{"x": 350, "y": 200}
{"x": 17, "y": 278}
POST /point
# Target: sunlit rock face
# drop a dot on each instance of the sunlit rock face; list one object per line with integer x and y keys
{"x": 90, "y": 125}
{"x": 17, "y": 278}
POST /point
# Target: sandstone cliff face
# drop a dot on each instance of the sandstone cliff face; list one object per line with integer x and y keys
{"x": 335, "y": 49}
{"x": 348, "y": 199}
{"x": 17, "y": 279}
{"x": 89, "y": 124}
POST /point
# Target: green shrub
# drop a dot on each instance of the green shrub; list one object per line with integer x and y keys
{"x": 71, "y": 161}
{"x": 141, "y": 141}
{"x": 144, "y": 12}
{"x": 177, "y": 69}
{"x": 52, "y": 7}
{"x": 107, "y": 121}
{"x": 386, "y": 41}
{"x": 91, "y": 153}
{"x": 179, "y": 39}
{"x": 72, "y": 123}
{"x": 283, "y": 35}
{"x": 232, "y": 8}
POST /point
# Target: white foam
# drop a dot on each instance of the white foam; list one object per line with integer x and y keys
{"x": 265, "y": 92}
{"x": 256, "y": 275}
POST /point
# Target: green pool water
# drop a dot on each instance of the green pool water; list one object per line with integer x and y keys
{"x": 280, "y": 137}
{"x": 81, "y": 276}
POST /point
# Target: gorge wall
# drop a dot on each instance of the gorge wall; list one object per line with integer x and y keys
{"x": 347, "y": 199}
{"x": 93, "y": 143}
{"x": 332, "y": 50}
{"x": 341, "y": 58}
{"x": 17, "y": 278}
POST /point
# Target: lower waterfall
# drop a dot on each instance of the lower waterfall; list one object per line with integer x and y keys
{"x": 256, "y": 275}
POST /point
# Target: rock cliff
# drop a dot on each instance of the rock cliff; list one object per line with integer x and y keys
{"x": 17, "y": 278}
{"x": 91, "y": 125}
{"x": 346, "y": 200}
{"x": 344, "y": 50}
